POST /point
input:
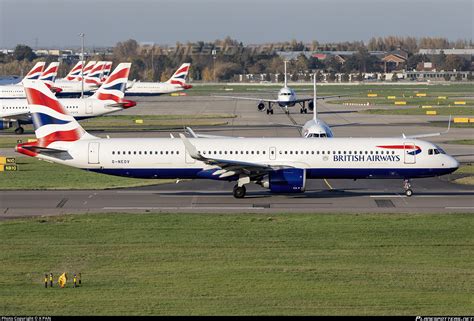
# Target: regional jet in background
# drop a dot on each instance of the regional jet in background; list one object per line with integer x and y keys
{"x": 107, "y": 99}
{"x": 16, "y": 90}
{"x": 280, "y": 164}
{"x": 176, "y": 83}
{"x": 286, "y": 98}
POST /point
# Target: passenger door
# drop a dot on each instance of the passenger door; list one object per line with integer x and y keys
{"x": 93, "y": 153}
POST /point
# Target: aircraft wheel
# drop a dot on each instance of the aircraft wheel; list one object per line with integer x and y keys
{"x": 408, "y": 192}
{"x": 305, "y": 110}
{"x": 271, "y": 111}
{"x": 19, "y": 131}
{"x": 239, "y": 191}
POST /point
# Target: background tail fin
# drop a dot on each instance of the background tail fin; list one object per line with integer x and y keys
{"x": 75, "y": 71}
{"x": 114, "y": 87}
{"x": 49, "y": 74}
{"x": 95, "y": 73}
{"x": 86, "y": 71}
{"x": 179, "y": 77}
{"x": 36, "y": 71}
{"x": 106, "y": 71}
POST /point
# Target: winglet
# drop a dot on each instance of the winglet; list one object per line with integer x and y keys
{"x": 190, "y": 148}
{"x": 191, "y": 132}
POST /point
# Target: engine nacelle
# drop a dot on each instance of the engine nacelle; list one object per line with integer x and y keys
{"x": 291, "y": 180}
{"x": 261, "y": 106}
{"x": 311, "y": 105}
{"x": 5, "y": 124}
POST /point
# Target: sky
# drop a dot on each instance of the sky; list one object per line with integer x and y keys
{"x": 57, "y": 23}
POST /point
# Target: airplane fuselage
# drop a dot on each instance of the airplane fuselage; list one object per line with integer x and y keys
{"x": 152, "y": 88}
{"x": 338, "y": 158}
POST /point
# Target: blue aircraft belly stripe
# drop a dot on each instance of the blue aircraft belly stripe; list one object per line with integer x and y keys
{"x": 314, "y": 173}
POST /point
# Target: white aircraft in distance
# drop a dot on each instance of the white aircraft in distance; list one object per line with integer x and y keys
{"x": 281, "y": 164}
{"x": 107, "y": 99}
{"x": 71, "y": 86}
{"x": 286, "y": 98}
{"x": 176, "y": 83}
{"x": 16, "y": 90}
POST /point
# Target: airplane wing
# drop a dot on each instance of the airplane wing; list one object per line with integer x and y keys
{"x": 230, "y": 167}
{"x": 17, "y": 115}
{"x": 300, "y": 100}
{"x": 249, "y": 98}
{"x": 194, "y": 135}
{"x": 431, "y": 134}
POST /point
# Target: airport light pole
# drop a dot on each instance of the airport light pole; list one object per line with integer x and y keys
{"x": 82, "y": 60}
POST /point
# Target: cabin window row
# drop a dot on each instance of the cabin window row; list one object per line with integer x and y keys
{"x": 286, "y": 152}
{"x": 145, "y": 152}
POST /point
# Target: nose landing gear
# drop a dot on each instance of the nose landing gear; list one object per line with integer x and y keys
{"x": 407, "y": 187}
{"x": 239, "y": 191}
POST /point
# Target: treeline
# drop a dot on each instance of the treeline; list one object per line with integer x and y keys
{"x": 223, "y": 59}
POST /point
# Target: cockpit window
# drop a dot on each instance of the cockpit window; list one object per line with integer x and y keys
{"x": 323, "y": 135}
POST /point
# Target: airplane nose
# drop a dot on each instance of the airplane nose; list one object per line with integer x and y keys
{"x": 453, "y": 163}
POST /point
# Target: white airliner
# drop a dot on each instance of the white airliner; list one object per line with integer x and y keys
{"x": 107, "y": 99}
{"x": 176, "y": 83}
{"x": 286, "y": 98}
{"x": 281, "y": 164}
{"x": 72, "y": 85}
{"x": 16, "y": 90}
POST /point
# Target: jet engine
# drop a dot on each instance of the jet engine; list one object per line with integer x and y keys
{"x": 291, "y": 180}
{"x": 5, "y": 124}
{"x": 311, "y": 105}
{"x": 261, "y": 106}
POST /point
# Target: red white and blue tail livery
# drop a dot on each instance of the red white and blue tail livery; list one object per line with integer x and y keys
{"x": 49, "y": 74}
{"x": 36, "y": 71}
{"x": 75, "y": 71}
{"x": 114, "y": 87}
{"x": 106, "y": 72}
{"x": 176, "y": 83}
{"x": 94, "y": 75}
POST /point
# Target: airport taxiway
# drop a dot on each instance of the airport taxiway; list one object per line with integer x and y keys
{"x": 432, "y": 195}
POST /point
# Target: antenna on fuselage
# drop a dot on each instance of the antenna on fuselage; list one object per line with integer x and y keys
{"x": 285, "y": 73}
{"x": 314, "y": 97}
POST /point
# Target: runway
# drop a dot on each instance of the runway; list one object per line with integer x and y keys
{"x": 432, "y": 195}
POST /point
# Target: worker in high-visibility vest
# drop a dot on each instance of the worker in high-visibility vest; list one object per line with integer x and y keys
{"x": 62, "y": 280}
{"x": 51, "y": 279}
{"x": 74, "y": 280}
{"x": 46, "y": 280}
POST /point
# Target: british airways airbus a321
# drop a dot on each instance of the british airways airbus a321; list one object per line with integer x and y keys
{"x": 280, "y": 164}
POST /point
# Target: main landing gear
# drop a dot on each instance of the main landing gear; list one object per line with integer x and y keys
{"x": 239, "y": 191}
{"x": 407, "y": 187}
{"x": 270, "y": 111}
{"x": 303, "y": 111}
{"x": 19, "y": 130}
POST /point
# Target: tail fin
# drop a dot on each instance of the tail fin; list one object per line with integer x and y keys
{"x": 95, "y": 73}
{"x": 49, "y": 74}
{"x": 51, "y": 120}
{"x": 36, "y": 71}
{"x": 106, "y": 71}
{"x": 75, "y": 71}
{"x": 114, "y": 87}
{"x": 179, "y": 77}
{"x": 86, "y": 71}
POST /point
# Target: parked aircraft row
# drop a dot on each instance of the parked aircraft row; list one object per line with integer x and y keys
{"x": 106, "y": 93}
{"x": 280, "y": 164}
{"x": 85, "y": 80}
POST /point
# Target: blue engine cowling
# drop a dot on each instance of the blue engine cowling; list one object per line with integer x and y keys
{"x": 291, "y": 180}
{"x": 4, "y": 124}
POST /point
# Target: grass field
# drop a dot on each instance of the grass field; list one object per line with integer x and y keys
{"x": 36, "y": 174}
{"x": 240, "y": 264}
